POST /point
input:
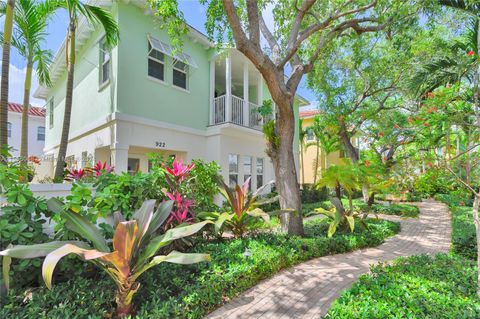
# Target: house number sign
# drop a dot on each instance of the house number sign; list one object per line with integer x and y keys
{"x": 160, "y": 144}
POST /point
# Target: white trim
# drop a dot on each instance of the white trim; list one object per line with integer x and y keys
{"x": 167, "y": 49}
{"x": 180, "y": 89}
{"x": 184, "y": 71}
{"x": 228, "y": 88}
{"x": 151, "y": 78}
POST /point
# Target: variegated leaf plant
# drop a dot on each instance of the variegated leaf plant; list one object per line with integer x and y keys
{"x": 135, "y": 244}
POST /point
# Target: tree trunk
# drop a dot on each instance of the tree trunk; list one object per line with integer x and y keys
{"x": 7, "y": 37}
{"x": 476, "y": 219}
{"x": 302, "y": 164}
{"x": 62, "y": 151}
{"x": 317, "y": 159}
{"x": 26, "y": 107}
{"x": 338, "y": 191}
{"x": 285, "y": 172}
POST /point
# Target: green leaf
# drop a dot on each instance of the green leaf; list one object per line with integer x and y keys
{"x": 82, "y": 226}
{"x": 172, "y": 234}
{"x": 6, "y": 262}
{"x": 332, "y": 229}
{"x": 160, "y": 216}
{"x": 221, "y": 219}
{"x": 38, "y": 250}
{"x": 174, "y": 257}
{"x": 52, "y": 259}
{"x": 351, "y": 222}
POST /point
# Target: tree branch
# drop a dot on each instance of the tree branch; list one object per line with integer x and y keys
{"x": 253, "y": 23}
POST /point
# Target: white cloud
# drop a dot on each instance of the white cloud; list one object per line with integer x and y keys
{"x": 16, "y": 84}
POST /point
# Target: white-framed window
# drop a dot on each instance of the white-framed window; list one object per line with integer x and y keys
{"x": 260, "y": 170}
{"x": 156, "y": 63}
{"x": 105, "y": 62}
{"x": 50, "y": 113}
{"x": 232, "y": 169}
{"x": 180, "y": 74}
{"x": 247, "y": 168}
{"x": 9, "y": 129}
{"x": 41, "y": 133}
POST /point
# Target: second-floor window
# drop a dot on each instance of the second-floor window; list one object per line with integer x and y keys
{"x": 50, "y": 113}
{"x": 310, "y": 135}
{"x": 180, "y": 71}
{"x": 41, "y": 133}
{"x": 156, "y": 63}
{"x": 105, "y": 58}
{"x": 9, "y": 129}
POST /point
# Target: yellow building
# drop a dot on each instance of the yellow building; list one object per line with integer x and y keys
{"x": 308, "y": 162}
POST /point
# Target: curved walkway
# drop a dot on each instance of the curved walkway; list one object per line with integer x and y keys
{"x": 308, "y": 289}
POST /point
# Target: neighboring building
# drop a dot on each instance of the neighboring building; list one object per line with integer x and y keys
{"x": 141, "y": 98}
{"x": 310, "y": 153}
{"x": 36, "y": 129}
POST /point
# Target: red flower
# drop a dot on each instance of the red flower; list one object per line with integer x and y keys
{"x": 381, "y": 134}
{"x": 425, "y": 124}
{"x": 471, "y": 53}
{"x": 179, "y": 171}
{"x": 367, "y": 163}
{"x": 396, "y": 126}
{"x": 462, "y": 203}
{"x": 34, "y": 159}
{"x": 100, "y": 168}
{"x": 430, "y": 95}
{"x": 430, "y": 164}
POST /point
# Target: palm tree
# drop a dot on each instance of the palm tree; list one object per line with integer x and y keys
{"x": 31, "y": 18}
{"x": 301, "y": 139}
{"x": 324, "y": 141}
{"x": 94, "y": 15}
{"x": 7, "y": 38}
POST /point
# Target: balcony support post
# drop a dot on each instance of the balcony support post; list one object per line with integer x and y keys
{"x": 246, "y": 106}
{"x": 212, "y": 91}
{"x": 228, "y": 89}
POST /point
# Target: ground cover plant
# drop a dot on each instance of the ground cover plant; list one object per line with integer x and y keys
{"x": 171, "y": 291}
{"x": 440, "y": 287}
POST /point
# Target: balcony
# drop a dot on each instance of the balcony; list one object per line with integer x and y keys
{"x": 236, "y": 91}
{"x": 237, "y": 111}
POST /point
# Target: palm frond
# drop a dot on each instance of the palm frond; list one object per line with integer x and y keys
{"x": 98, "y": 15}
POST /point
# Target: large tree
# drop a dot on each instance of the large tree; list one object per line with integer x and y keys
{"x": 95, "y": 16}
{"x": 7, "y": 38}
{"x": 302, "y": 32}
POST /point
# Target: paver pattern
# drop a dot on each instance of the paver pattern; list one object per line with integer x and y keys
{"x": 307, "y": 290}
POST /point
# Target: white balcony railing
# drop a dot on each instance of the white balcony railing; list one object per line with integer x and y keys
{"x": 237, "y": 111}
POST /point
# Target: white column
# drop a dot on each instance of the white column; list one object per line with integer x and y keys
{"x": 228, "y": 84}
{"x": 212, "y": 91}
{"x": 246, "y": 108}
{"x": 260, "y": 90}
{"x": 119, "y": 155}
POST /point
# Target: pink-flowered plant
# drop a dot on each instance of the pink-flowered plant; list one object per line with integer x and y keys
{"x": 180, "y": 213}
{"x": 102, "y": 168}
{"x": 75, "y": 174}
{"x": 179, "y": 171}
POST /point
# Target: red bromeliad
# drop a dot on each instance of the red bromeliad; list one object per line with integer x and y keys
{"x": 179, "y": 171}
{"x": 180, "y": 213}
{"x": 75, "y": 174}
{"x": 100, "y": 169}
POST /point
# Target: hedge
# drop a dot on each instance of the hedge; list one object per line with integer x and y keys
{"x": 423, "y": 287}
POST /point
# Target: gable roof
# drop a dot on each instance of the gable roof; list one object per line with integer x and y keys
{"x": 33, "y": 111}
{"x": 308, "y": 113}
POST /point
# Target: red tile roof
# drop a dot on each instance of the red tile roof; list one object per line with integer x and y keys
{"x": 34, "y": 110}
{"x": 309, "y": 113}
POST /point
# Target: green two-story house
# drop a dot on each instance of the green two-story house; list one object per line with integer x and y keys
{"x": 140, "y": 98}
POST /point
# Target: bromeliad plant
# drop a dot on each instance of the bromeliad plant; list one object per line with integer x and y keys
{"x": 135, "y": 243}
{"x": 244, "y": 209}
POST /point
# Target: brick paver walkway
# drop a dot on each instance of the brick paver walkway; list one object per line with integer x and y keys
{"x": 308, "y": 289}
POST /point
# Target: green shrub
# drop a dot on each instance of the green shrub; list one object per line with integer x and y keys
{"x": 172, "y": 291}
{"x": 435, "y": 181}
{"x": 420, "y": 287}
{"x": 311, "y": 194}
{"x": 463, "y": 228}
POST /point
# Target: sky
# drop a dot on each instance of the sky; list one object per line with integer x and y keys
{"x": 194, "y": 13}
